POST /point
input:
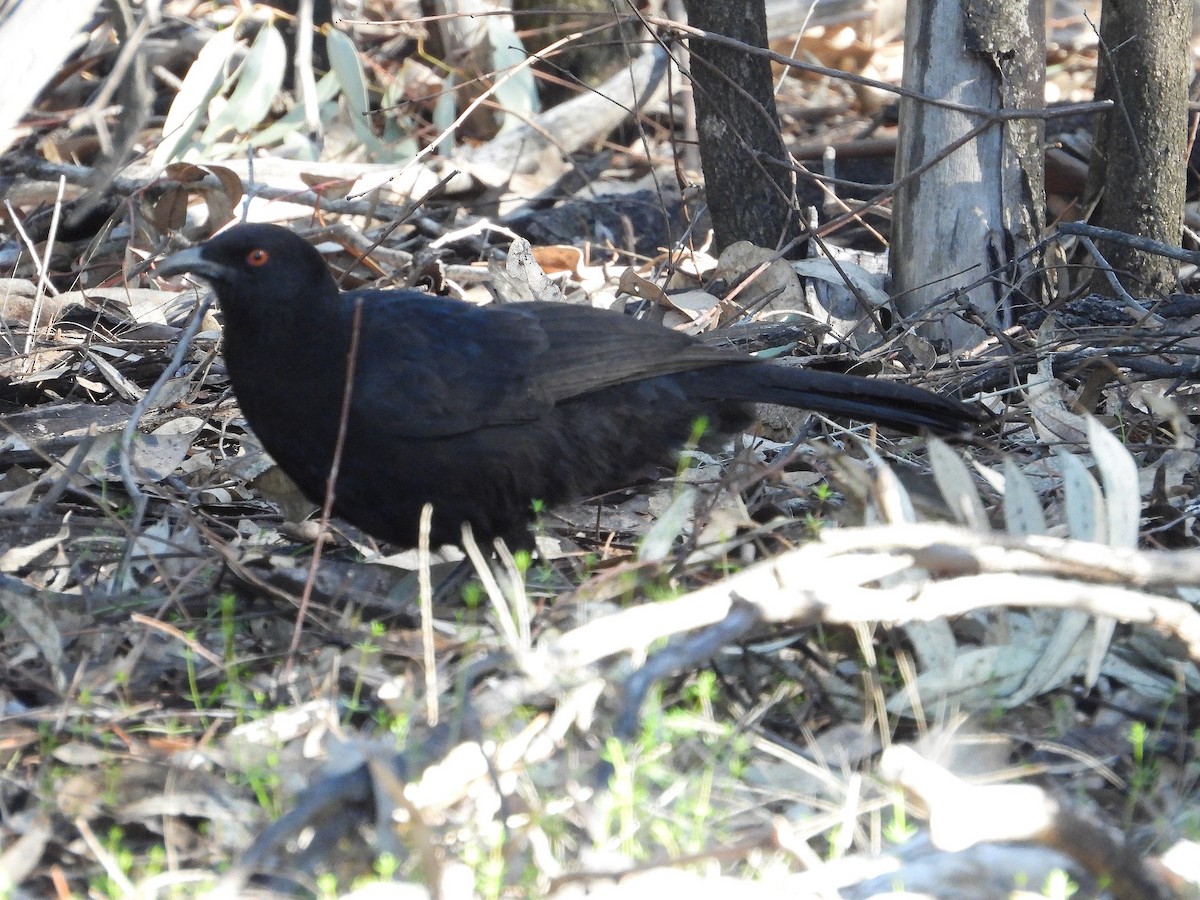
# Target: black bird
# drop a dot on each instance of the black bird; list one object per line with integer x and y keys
{"x": 481, "y": 410}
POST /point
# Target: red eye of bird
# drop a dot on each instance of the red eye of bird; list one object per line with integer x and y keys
{"x": 257, "y": 257}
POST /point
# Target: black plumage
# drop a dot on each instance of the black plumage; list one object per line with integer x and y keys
{"x": 482, "y": 410}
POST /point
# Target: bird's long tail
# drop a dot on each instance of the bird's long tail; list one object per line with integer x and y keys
{"x": 868, "y": 399}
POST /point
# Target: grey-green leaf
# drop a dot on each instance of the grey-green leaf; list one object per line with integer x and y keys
{"x": 199, "y": 86}
{"x": 517, "y": 92}
{"x": 259, "y": 79}
{"x": 344, "y": 61}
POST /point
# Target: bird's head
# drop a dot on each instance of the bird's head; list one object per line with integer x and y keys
{"x": 254, "y": 261}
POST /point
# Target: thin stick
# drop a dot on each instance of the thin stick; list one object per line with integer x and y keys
{"x": 425, "y": 582}
{"x": 327, "y": 507}
{"x": 44, "y": 267}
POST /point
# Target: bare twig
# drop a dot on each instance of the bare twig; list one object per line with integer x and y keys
{"x": 331, "y": 484}
{"x": 950, "y": 572}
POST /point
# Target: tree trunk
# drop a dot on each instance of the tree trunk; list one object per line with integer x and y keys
{"x": 974, "y": 215}
{"x": 1139, "y": 156}
{"x": 737, "y": 125}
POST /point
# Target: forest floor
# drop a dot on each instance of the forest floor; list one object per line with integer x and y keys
{"x": 828, "y": 661}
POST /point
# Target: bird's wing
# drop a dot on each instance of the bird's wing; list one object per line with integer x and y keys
{"x": 434, "y": 368}
{"x": 588, "y": 349}
{"x": 429, "y": 367}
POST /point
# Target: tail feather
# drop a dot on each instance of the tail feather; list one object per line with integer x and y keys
{"x": 893, "y": 403}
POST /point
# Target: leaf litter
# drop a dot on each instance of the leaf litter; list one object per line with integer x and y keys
{"x": 797, "y": 604}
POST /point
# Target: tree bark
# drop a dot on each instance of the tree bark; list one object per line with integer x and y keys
{"x": 738, "y": 127}
{"x": 973, "y": 216}
{"x": 1138, "y": 163}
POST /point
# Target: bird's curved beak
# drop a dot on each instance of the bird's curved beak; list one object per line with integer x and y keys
{"x": 191, "y": 260}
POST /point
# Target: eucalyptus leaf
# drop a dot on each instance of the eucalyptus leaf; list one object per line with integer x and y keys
{"x": 293, "y": 119}
{"x": 1022, "y": 508}
{"x": 516, "y": 93}
{"x": 977, "y": 678}
{"x": 957, "y": 486}
{"x": 200, "y": 85}
{"x": 1083, "y": 501}
{"x": 445, "y": 110}
{"x": 347, "y": 68}
{"x": 1123, "y": 507}
{"x": 1122, "y": 490}
{"x": 868, "y": 284}
{"x": 660, "y": 539}
{"x": 259, "y": 79}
